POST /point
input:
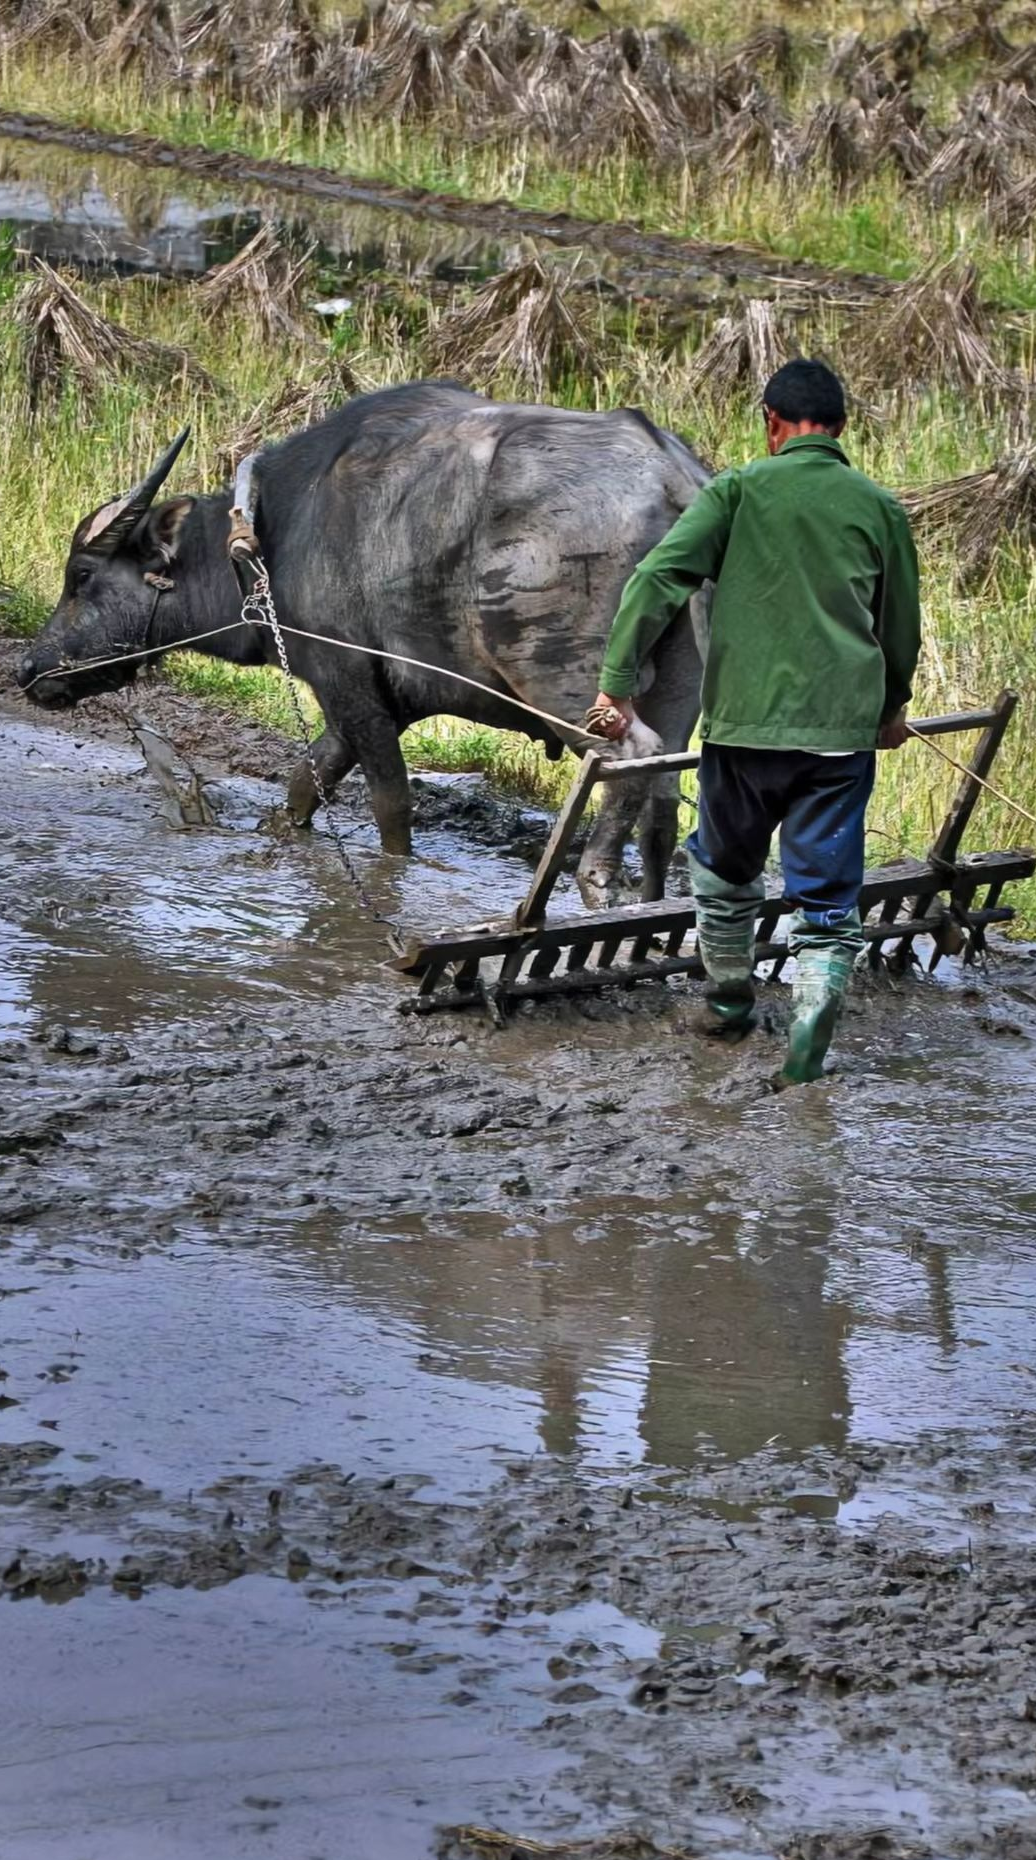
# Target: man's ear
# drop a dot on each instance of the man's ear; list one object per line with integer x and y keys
{"x": 774, "y": 428}
{"x": 159, "y": 534}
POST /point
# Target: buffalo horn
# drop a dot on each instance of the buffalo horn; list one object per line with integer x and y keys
{"x": 116, "y": 521}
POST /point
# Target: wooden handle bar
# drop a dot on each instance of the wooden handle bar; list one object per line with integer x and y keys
{"x": 924, "y": 726}
{"x": 957, "y": 720}
{"x": 646, "y": 765}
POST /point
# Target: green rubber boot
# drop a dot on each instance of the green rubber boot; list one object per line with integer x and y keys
{"x": 824, "y": 956}
{"x": 726, "y": 917}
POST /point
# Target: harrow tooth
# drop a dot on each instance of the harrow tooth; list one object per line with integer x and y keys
{"x": 544, "y": 961}
{"x": 887, "y": 915}
{"x": 432, "y": 977}
{"x": 577, "y": 955}
{"x": 511, "y": 966}
{"x": 978, "y": 934}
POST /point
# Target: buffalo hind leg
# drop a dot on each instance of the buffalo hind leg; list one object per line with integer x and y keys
{"x": 334, "y": 756}
{"x": 652, "y": 806}
{"x": 671, "y": 707}
{"x": 600, "y": 868}
{"x": 657, "y": 835}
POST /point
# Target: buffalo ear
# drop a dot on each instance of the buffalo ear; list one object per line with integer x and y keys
{"x": 159, "y": 534}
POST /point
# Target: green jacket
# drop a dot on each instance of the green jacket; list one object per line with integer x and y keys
{"x": 816, "y": 622}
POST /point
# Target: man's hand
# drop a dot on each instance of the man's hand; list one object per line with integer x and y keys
{"x": 616, "y": 727}
{"x": 895, "y": 733}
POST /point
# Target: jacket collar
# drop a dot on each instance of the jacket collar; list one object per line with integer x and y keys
{"x": 817, "y": 442}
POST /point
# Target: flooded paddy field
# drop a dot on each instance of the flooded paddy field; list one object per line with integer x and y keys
{"x": 85, "y": 196}
{"x": 407, "y": 1425}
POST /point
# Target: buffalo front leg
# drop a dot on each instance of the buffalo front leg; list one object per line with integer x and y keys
{"x": 381, "y": 760}
{"x": 334, "y": 756}
{"x": 361, "y": 721}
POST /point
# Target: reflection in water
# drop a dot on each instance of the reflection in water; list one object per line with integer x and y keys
{"x": 647, "y": 1339}
{"x": 96, "y": 211}
{"x": 660, "y": 1340}
{"x": 103, "y": 211}
{"x": 746, "y": 1351}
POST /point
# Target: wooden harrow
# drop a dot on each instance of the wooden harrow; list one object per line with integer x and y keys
{"x": 535, "y": 956}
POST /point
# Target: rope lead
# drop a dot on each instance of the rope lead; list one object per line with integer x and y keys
{"x": 258, "y": 609}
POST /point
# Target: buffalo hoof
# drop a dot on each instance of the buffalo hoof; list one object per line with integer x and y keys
{"x": 278, "y": 823}
{"x": 303, "y": 800}
{"x": 604, "y": 890}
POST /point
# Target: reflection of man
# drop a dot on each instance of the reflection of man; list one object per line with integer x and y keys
{"x": 749, "y": 1352}
{"x": 815, "y": 636}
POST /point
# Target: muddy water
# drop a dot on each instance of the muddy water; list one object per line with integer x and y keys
{"x": 93, "y": 211}
{"x": 97, "y": 212}
{"x": 411, "y": 1425}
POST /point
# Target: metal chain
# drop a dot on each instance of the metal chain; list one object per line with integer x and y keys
{"x": 258, "y": 608}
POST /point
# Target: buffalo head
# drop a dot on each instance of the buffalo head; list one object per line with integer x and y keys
{"x": 108, "y": 601}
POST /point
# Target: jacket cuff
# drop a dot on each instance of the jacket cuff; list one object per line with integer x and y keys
{"x": 618, "y": 681}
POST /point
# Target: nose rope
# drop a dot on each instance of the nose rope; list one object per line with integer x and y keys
{"x": 123, "y": 658}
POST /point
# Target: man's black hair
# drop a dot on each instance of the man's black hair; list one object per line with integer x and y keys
{"x": 804, "y": 390}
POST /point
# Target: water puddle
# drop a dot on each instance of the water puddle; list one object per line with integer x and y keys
{"x": 123, "y": 1730}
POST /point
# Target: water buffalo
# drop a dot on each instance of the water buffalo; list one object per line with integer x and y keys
{"x": 489, "y": 539}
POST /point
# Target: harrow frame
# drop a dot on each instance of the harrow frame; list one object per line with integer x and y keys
{"x": 540, "y": 957}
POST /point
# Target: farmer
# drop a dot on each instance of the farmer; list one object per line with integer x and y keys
{"x": 814, "y": 639}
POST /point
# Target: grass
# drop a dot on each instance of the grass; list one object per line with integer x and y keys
{"x": 84, "y": 446}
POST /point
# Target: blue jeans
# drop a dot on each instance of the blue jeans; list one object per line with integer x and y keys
{"x": 818, "y": 802}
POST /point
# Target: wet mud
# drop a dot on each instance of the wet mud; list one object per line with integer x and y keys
{"x": 408, "y": 1428}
